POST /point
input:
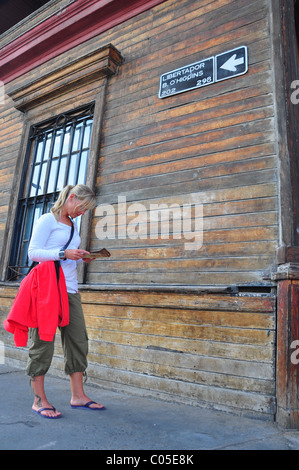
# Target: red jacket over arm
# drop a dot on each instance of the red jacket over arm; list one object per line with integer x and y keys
{"x": 40, "y": 303}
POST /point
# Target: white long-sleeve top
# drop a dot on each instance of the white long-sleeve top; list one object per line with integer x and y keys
{"x": 48, "y": 238}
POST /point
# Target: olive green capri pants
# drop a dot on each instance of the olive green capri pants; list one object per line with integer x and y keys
{"x": 74, "y": 343}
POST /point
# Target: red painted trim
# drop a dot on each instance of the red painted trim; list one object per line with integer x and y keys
{"x": 79, "y": 22}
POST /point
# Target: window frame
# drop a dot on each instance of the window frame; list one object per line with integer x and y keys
{"x": 49, "y": 128}
{"x": 54, "y": 89}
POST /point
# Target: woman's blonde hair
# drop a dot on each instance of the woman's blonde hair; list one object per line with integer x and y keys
{"x": 82, "y": 192}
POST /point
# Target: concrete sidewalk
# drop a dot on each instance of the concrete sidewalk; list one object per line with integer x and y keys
{"x": 128, "y": 423}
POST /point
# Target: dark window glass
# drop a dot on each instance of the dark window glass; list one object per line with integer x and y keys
{"x": 57, "y": 155}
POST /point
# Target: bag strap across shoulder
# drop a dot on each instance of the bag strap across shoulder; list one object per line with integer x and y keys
{"x": 35, "y": 263}
{"x": 71, "y": 236}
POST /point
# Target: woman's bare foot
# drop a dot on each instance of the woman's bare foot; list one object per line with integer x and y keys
{"x": 45, "y": 409}
{"x": 86, "y": 402}
{"x": 41, "y": 404}
{"x": 78, "y": 398}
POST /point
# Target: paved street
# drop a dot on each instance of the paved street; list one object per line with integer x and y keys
{"x": 128, "y": 423}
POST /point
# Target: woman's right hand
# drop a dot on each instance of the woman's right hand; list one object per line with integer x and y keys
{"x": 75, "y": 254}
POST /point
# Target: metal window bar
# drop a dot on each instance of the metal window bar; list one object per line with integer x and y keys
{"x": 40, "y": 166}
{"x": 59, "y": 158}
{"x": 49, "y": 163}
{"x": 40, "y": 135}
{"x": 76, "y": 172}
{"x": 69, "y": 154}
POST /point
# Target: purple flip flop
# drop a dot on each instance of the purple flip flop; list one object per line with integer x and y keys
{"x": 39, "y": 412}
{"x": 88, "y": 407}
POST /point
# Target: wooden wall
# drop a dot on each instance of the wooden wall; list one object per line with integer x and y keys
{"x": 217, "y": 143}
{"x": 11, "y": 126}
{"x": 207, "y": 350}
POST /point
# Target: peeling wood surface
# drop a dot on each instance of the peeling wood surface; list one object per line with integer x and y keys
{"x": 214, "y": 350}
{"x": 216, "y": 145}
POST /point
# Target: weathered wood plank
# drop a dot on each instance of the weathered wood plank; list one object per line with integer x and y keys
{"x": 171, "y": 174}
{"x": 202, "y": 121}
{"x": 211, "y": 333}
{"x": 181, "y": 316}
{"x": 190, "y": 279}
{"x": 199, "y": 301}
{"x": 192, "y": 372}
{"x": 217, "y": 144}
{"x": 180, "y": 360}
{"x": 222, "y": 398}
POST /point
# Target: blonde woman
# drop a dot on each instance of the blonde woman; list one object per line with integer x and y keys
{"x": 50, "y": 234}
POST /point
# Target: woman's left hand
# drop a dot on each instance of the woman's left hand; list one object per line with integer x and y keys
{"x": 75, "y": 254}
{"x": 88, "y": 260}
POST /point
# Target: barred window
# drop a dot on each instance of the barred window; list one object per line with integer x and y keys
{"x": 57, "y": 155}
